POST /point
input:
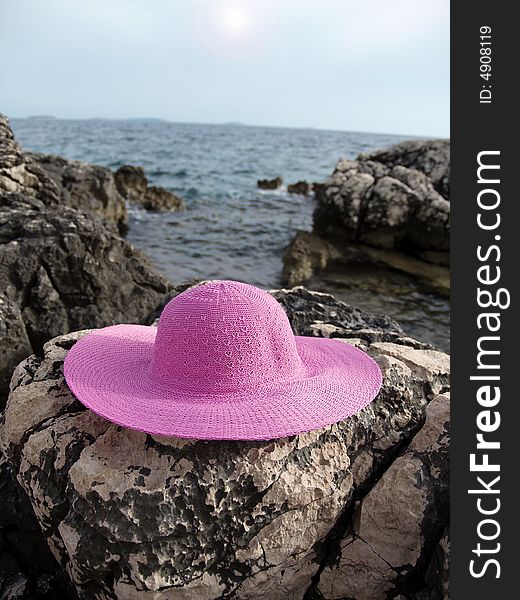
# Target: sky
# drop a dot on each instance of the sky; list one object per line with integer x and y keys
{"x": 354, "y": 65}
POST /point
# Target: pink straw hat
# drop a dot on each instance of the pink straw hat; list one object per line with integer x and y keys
{"x": 223, "y": 363}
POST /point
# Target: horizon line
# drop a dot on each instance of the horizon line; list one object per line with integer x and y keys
{"x": 224, "y": 124}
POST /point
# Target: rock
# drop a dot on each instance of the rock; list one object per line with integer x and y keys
{"x": 432, "y": 157}
{"x": 388, "y": 212}
{"x": 86, "y": 187}
{"x": 14, "y": 585}
{"x": 63, "y": 271}
{"x": 430, "y": 230}
{"x": 382, "y": 207}
{"x": 318, "y": 188}
{"x": 304, "y": 188}
{"x": 15, "y": 344}
{"x": 18, "y": 173}
{"x": 56, "y": 181}
{"x": 131, "y": 182}
{"x": 59, "y": 270}
{"x": 27, "y": 567}
{"x": 317, "y": 314}
{"x": 308, "y": 255}
{"x": 377, "y": 211}
{"x": 270, "y": 184}
{"x": 438, "y": 573}
{"x": 436, "y": 258}
{"x": 131, "y": 515}
{"x": 158, "y": 199}
{"x": 395, "y": 525}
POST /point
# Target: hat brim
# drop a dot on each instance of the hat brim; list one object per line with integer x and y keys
{"x": 108, "y": 372}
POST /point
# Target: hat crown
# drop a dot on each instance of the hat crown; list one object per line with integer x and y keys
{"x": 225, "y": 336}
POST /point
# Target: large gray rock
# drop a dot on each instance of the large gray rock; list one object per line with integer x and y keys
{"x": 385, "y": 207}
{"x": 130, "y": 515}
{"x": 432, "y": 157}
{"x": 86, "y": 187}
{"x": 18, "y": 173}
{"x": 58, "y": 269}
{"x": 62, "y": 271}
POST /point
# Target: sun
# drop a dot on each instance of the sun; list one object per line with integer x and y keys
{"x": 234, "y": 19}
{"x": 236, "y": 28}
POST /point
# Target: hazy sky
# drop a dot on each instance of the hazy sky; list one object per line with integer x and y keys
{"x": 360, "y": 65}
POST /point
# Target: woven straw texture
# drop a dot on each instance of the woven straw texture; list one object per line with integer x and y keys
{"x": 223, "y": 363}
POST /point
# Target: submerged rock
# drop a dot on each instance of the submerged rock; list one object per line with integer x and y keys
{"x": 86, "y": 187}
{"x": 131, "y": 515}
{"x": 270, "y": 184}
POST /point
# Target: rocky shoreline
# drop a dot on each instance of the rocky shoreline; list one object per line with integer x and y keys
{"x": 389, "y": 208}
{"x": 91, "y": 510}
{"x": 291, "y": 517}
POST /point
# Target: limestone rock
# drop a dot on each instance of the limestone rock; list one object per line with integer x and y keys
{"x": 18, "y": 173}
{"x": 28, "y": 570}
{"x": 56, "y": 181}
{"x": 432, "y": 157}
{"x": 62, "y": 271}
{"x": 131, "y": 181}
{"x": 388, "y": 212}
{"x": 397, "y": 522}
{"x": 15, "y": 344}
{"x": 130, "y": 515}
{"x": 394, "y": 198}
{"x": 384, "y": 207}
{"x": 270, "y": 184}
{"x": 86, "y": 187}
{"x": 317, "y": 314}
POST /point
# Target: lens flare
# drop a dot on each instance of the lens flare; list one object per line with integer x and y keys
{"x": 234, "y": 20}
{"x": 236, "y": 27}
